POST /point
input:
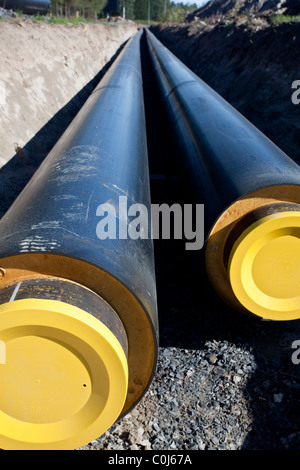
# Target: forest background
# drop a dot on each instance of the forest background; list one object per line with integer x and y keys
{"x": 143, "y": 11}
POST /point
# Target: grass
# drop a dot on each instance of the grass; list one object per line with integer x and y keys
{"x": 146, "y": 22}
{"x": 279, "y": 19}
{"x": 63, "y": 20}
{"x": 55, "y": 19}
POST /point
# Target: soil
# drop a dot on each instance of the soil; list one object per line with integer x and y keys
{"x": 216, "y": 9}
{"x": 252, "y": 64}
{"x": 43, "y": 66}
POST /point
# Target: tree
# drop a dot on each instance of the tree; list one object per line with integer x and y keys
{"x": 126, "y": 8}
{"x": 162, "y": 10}
{"x": 178, "y": 11}
{"x": 112, "y": 7}
{"x": 86, "y": 8}
{"x": 141, "y": 9}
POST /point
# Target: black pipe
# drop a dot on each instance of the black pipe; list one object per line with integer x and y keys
{"x": 57, "y": 229}
{"x": 29, "y": 7}
{"x": 233, "y": 169}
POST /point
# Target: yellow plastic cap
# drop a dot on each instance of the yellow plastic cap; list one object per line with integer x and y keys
{"x": 63, "y": 376}
{"x": 264, "y": 267}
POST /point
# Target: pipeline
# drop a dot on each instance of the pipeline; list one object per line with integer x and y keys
{"x": 250, "y": 189}
{"x": 29, "y": 7}
{"x": 78, "y": 312}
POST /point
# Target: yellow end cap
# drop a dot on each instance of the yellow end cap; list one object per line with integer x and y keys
{"x": 264, "y": 267}
{"x": 63, "y": 376}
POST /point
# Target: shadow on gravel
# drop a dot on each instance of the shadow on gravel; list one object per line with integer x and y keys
{"x": 190, "y": 312}
{"x": 16, "y": 173}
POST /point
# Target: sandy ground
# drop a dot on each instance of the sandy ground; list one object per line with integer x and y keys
{"x": 42, "y": 67}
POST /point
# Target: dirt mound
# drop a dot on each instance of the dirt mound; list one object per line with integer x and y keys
{"x": 292, "y": 7}
{"x": 253, "y": 66}
{"x": 230, "y": 8}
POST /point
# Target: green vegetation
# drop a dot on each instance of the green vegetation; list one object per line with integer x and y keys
{"x": 75, "y": 9}
{"x": 72, "y": 20}
{"x": 18, "y": 12}
{"x": 278, "y": 19}
{"x": 178, "y": 11}
{"x": 139, "y": 10}
{"x": 161, "y": 10}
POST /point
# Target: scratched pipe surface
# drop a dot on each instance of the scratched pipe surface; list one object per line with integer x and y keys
{"x": 101, "y": 156}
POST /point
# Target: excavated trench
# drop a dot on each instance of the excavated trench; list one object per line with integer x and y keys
{"x": 251, "y": 66}
{"x": 190, "y": 313}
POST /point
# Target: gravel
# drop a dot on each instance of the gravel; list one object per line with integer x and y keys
{"x": 194, "y": 404}
{"x": 5, "y": 13}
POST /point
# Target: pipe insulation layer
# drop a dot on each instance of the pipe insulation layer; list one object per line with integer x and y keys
{"x": 30, "y": 7}
{"x": 78, "y": 310}
{"x": 250, "y": 190}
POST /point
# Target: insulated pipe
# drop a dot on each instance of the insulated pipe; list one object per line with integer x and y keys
{"x": 250, "y": 189}
{"x": 30, "y": 7}
{"x": 78, "y": 310}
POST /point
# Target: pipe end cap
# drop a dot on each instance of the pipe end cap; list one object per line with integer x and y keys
{"x": 63, "y": 373}
{"x": 264, "y": 267}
